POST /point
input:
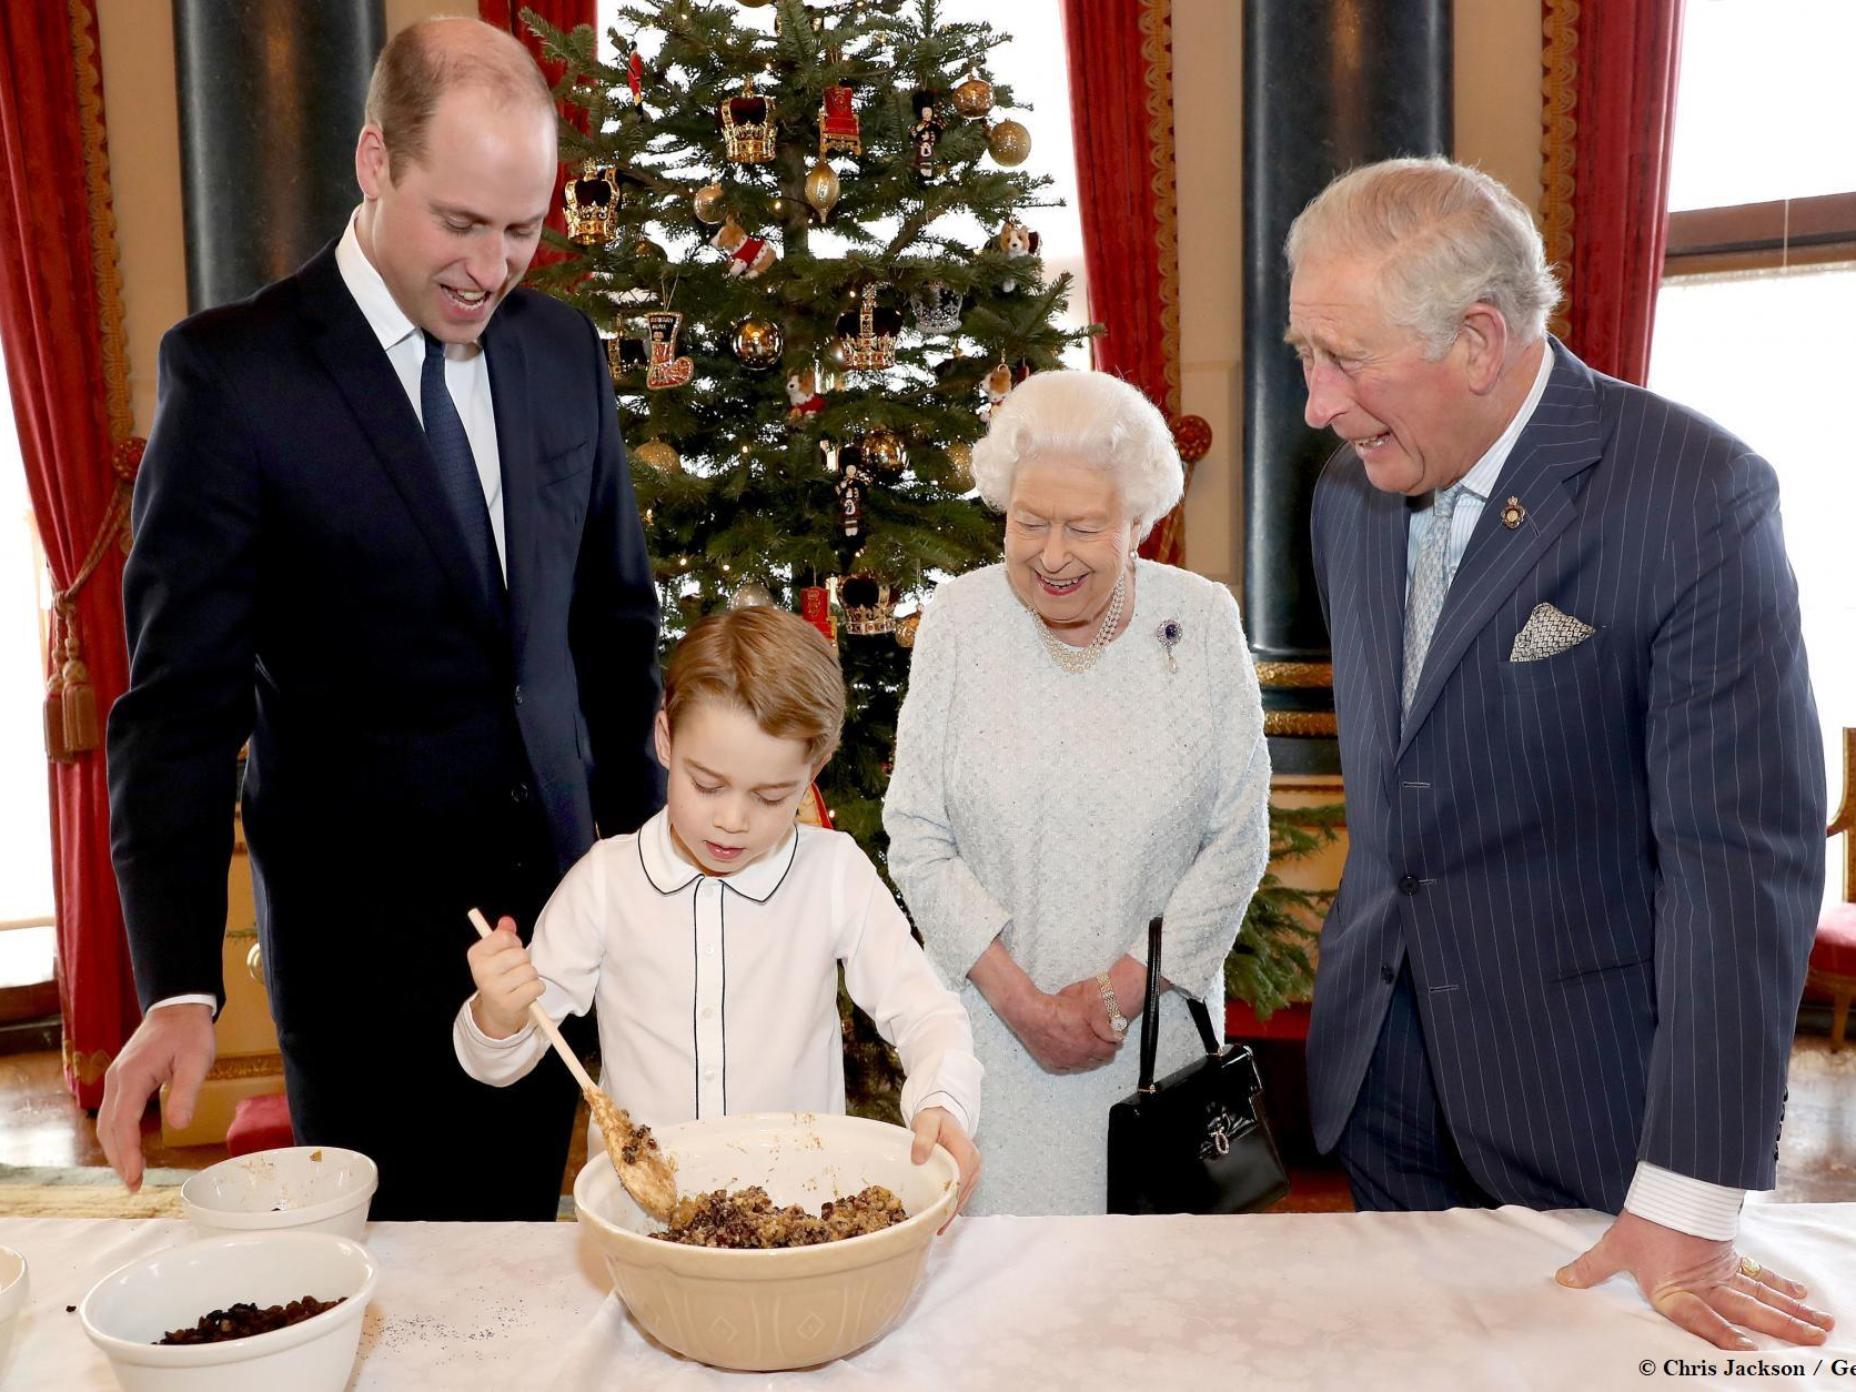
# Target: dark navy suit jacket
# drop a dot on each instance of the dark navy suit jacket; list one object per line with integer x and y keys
{"x": 1604, "y": 867}
{"x": 297, "y": 579}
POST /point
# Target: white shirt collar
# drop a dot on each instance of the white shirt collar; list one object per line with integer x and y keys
{"x": 382, "y": 312}
{"x": 670, "y": 873}
{"x": 1481, "y": 479}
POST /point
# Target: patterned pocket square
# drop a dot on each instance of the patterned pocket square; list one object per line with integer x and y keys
{"x": 1548, "y": 633}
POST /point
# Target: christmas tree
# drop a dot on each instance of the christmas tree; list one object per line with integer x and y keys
{"x": 813, "y": 254}
{"x": 815, "y": 258}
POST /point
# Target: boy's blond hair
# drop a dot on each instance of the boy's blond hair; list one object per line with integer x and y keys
{"x": 771, "y": 664}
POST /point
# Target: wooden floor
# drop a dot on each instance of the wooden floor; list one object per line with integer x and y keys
{"x": 40, "y": 1124}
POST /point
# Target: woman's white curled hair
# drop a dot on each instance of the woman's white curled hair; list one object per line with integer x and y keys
{"x": 1086, "y": 420}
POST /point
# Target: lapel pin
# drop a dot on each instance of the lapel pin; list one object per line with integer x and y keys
{"x": 1514, "y": 514}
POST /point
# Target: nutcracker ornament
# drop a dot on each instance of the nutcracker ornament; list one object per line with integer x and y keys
{"x": 925, "y": 138}
{"x": 852, "y": 488}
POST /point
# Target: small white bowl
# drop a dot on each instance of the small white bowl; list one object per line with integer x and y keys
{"x": 15, "y": 1290}
{"x": 792, "y": 1307}
{"x": 294, "y": 1188}
{"x": 129, "y": 1310}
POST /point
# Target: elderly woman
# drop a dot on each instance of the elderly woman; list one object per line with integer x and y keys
{"x": 1081, "y": 749}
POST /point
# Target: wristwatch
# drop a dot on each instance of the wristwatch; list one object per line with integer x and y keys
{"x": 1116, "y": 1020}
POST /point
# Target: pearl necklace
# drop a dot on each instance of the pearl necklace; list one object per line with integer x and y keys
{"x": 1071, "y": 658}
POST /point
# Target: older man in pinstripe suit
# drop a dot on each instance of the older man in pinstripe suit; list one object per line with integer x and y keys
{"x": 1585, "y": 786}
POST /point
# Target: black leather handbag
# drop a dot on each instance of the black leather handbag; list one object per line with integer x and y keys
{"x": 1198, "y": 1141}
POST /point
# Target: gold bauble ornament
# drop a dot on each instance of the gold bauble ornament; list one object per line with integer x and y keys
{"x": 960, "y": 455}
{"x": 1009, "y": 142}
{"x": 752, "y": 595}
{"x": 644, "y": 249}
{"x": 905, "y": 629}
{"x": 885, "y": 452}
{"x": 973, "y": 98}
{"x": 655, "y": 454}
{"x": 707, "y": 203}
{"x": 758, "y": 343}
{"x": 822, "y": 189}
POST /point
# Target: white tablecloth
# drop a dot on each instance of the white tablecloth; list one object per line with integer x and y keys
{"x": 1464, "y": 1299}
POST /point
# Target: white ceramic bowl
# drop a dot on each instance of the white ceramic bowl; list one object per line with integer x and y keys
{"x": 294, "y": 1188}
{"x": 789, "y": 1308}
{"x": 131, "y": 1308}
{"x": 15, "y": 1290}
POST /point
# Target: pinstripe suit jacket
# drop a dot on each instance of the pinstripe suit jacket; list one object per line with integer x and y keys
{"x": 1605, "y": 867}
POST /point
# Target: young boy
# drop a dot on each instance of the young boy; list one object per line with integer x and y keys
{"x": 710, "y": 938}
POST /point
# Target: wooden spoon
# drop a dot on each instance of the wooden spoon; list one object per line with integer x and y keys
{"x": 644, "y": 1170}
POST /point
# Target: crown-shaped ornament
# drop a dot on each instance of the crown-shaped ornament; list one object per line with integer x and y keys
{"x": 868, "y": 334}
{"x": 591, "y": 199}
{"x": 869, "y": 605}
{"x": 747, "y": 126}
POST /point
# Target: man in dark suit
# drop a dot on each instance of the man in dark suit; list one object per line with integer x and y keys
{"x": 384, "y": 532}
{"x": 1585, "y": 785}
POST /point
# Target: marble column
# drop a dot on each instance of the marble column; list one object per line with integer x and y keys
{"x": 271, "y": 95}
{"x": 1328, "y": 84}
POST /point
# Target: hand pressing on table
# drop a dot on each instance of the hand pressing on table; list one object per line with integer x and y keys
{"x": 507, "y": 982}
{"x": 1703, "y": 1285}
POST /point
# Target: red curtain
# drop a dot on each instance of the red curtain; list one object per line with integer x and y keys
{"x": 1121, "y": 111}
{"x": 1610, "y": 116}
{"x": 562, "y": 14}
{"x": 61, "y": 323}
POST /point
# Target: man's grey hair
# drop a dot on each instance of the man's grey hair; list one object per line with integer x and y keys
{"x": 1087, "y": 420}
{"x": 1446, "y": 236}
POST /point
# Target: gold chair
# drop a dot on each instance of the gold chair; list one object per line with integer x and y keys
{"x": 1832, "y": 969}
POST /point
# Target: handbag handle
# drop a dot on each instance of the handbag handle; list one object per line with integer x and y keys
{"x": 1150, "y": 1014}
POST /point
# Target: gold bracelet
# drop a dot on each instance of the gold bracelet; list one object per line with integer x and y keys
{"x": 1116, "y": 1020}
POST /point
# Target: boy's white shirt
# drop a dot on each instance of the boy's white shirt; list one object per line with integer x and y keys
{"x": 718, "y": 994}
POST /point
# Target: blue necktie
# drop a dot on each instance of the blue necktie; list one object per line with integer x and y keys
{"x": 1430, "y": 581}
{"x": 457, "y": 471}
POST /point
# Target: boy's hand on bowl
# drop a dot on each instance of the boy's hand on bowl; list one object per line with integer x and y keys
{"x": 936, "y": 1126}
{"x": 507, "y": 982}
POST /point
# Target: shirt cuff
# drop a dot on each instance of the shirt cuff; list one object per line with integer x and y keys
{"x": 467, "y": 1020}
{"x": 945, "y": 1100}
{"x": 210, "y": 1002}
{"x": 1688, "y": 1205}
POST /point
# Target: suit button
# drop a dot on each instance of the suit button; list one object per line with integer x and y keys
{"x": 518, "y": 695}
{"x": 1387, "y": 975}
{"x": 519, "y": 793}
{"x": 1408, "y": 884}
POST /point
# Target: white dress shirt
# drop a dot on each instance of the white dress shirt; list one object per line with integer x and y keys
{"x": 467, "y": 377}
{"x": 1676, "y": 1201}
{"x": 467, "y": 374}
{"x": 719, "y": 994}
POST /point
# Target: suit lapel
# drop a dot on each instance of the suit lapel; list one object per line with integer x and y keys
{"x": 515, "y": 446}
{"x": 1560, "y": 442}
{"x": 355, "y": 360}
{"x": 1387, "y": 521}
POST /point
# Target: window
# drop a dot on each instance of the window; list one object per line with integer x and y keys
{"x": 25, "y": 816}
{"x": 1760, "y": 285}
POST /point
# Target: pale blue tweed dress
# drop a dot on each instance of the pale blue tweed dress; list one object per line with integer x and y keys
{"x": 1062, "y": 811}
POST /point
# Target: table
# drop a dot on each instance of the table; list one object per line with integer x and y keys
{"x": 1463, "y": 1299}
